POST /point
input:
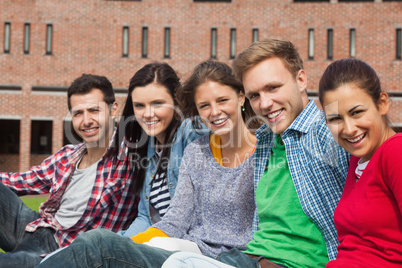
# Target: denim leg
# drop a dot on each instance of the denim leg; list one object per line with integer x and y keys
{"x": 103, "y": 248}
{"x": 27, "y": 253}
{"x": 237, "y": 258}
{"x": 189, "y": 259}
{"x": 14, "y": 216}
{"x": 23, "y": 248}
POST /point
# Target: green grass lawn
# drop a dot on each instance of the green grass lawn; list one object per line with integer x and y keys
{"x": 33, "y": 203}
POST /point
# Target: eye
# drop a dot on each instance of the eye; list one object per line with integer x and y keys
{"x": 357, "y": 112}
{"x": 138, "y": 105}
{"x": 253, "y": 96}
{"x": 223, "y": 100}
{"x": 333, "y": 120}
{"x": 158, "y": 103}
{"x": 94, "y": 110}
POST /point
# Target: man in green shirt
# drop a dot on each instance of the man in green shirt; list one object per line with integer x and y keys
{"x": 299, "y": 172}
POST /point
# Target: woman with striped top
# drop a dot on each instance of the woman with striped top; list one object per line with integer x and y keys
{"x": 157, "y": 134}
{"x": 214, "y": 202}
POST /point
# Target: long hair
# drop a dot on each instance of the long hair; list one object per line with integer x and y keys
{"x": 129, "y": 128}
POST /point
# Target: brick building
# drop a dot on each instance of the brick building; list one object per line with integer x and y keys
{"x": 45, "y": 45}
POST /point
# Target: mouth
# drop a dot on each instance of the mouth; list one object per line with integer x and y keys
{"x": 275, "y": 114}
{"x": 219, "y": 121}
{"x": 151, "y": 122}
{"x": 357, "y": 139}
{"x": 89, "y": 130}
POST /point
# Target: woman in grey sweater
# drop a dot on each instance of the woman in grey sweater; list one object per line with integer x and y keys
{"x": 214, "y": 201}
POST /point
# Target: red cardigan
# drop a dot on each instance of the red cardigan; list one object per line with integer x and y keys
{"x": 369, "y": 215}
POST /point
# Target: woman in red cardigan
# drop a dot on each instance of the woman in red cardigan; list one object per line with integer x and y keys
{"x": 369, "y": 215}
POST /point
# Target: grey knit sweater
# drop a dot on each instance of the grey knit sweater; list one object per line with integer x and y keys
{"x": 213, "y": 205}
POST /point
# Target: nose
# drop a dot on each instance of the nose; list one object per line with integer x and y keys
{"x": 266, "y": 101}
{"x": 215, "y": 111}
{"x": 149, "y": 112}
{"x": 349, "y": 128}
{"x": 87, "y": 119}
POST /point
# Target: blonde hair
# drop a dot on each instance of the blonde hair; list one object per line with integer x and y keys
{"x": 268, "y": 48}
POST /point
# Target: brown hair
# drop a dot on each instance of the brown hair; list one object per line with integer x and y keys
{"x": 218, "y": 72}
{"x": 268, "y": 48}
{"x": 350, "y": 71}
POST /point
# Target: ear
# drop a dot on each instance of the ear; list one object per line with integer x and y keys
{"x": 114, "y": 109}
{"x": 383, "y": 103}
{"x": 301, "y": 80}
{"x": 242, "y": 98}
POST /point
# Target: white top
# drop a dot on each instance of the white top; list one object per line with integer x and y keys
{"x": 76, "y": 196}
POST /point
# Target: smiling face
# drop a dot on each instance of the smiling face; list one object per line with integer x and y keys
{"x": 154, "y": 109}
{"x": 219, "y": 107}
{"x": 355, "y": 121}
{"x": 275, "y": 94}
{"x": 92, "y": 120}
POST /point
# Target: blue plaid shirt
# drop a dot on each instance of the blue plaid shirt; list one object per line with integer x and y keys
{"x": 318, "y": 166}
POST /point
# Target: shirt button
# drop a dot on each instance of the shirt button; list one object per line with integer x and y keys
{"x": 170, "y": 184}
{"x": 146, "y": 197}
{"x": 153, "y": 175}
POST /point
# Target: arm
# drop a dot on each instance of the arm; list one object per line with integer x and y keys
{"x": 142, "y": 222}
{"x": 391, "y": 172}
{"x": 40, "y": 178}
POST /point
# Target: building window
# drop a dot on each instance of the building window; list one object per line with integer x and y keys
{"x": 49, "y": 39}
{"x": 330, "y": 45}
{"x": 398, "y": 44}
{"x": 214, "y": 41}
{"x": 352, "y": 43}
{"x": 310, "y": 44}
{"x": 27, "y": 33}
{"x": 7, "y": 37}
{"x": 232, "y": 43}
{"x": 144, "y": 42}
{"x": 255, "y": 35}
{"x": 41, "y": 137}
{"x": 10, "y": 139}
{"x": 125, "y": 41}
{"x": 166, "y": 48}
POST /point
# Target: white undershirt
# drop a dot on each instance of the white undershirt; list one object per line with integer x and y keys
{"x": 361, "y": 166}
{"x": 76, "y": 196}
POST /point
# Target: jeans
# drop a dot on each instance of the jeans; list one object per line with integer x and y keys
{"x": 23, "y": 249}
{"x": 232, "y": 258}
{"x": 103, "y": 248}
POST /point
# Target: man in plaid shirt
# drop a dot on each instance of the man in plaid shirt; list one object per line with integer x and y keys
{"x": 89, "y": 183}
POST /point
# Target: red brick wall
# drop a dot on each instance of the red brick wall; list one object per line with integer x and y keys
{"x": 87, "y": 38}
{"x": 9, "y": 162}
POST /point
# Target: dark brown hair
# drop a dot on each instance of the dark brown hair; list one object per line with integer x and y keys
{"x": 164, "y": 75}
{"x": 350, "y": 71}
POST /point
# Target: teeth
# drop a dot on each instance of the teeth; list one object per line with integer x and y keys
{"x": 356, "y": 139}
{"x": 151, "y": 122}
{"x": 220, "y": 121}
{"x": 273, "y": 115}
{"x": 89, "y": 130}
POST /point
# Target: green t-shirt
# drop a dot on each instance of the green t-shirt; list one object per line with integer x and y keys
{"x": 286, "y": 235}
